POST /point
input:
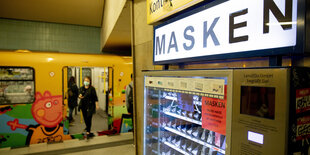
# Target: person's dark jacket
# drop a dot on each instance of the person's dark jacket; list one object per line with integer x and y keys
{"x": 73, "y": 93}
{"x": 89, "y": 100}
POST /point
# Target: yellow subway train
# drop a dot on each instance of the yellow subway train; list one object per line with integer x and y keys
{"x": 33, "y": 90}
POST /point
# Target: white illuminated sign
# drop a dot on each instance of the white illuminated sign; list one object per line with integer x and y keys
{"x": 256, "y": 137}
{"x": 230, "y": 27}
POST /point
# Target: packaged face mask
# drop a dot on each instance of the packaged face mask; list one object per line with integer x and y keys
{"x": 212, "y": 151}
{"x": 196, "y": 151}
{"x": 167, "y": 108}
{"x": 179, "y": 127}
{"x": 204, "y": 134}
{"x": 168, "y": 153}
{"x": 173, "y": 140}
{"x": 169, "y": 139}
{"x": 217, "y": 140}
{"x": 185, "y": 127}
{"x": 224, "y": 144}
{"x": 169, "y": 124}
{"x": 190, "y": 115}
{"x": 190, "y": 147}
{"x": 205, "y": 150}
{"x": 190, "y": 130}
{"x": 174, "y": 124}
{"x": 163, "y": 139}
{"x": 197, "y": 116}
{"x": 174, "y": 109}
{"x": 197, "y": 133}
{"x": 164, "y": 123}
{"x": 179, "y": 111}
{"x": 210, "y": 139}
{"x": 178, "y": 142}
{"x": 184, "y": 144}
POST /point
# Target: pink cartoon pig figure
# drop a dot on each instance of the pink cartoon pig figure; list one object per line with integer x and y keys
{"x": 47, "y": 111}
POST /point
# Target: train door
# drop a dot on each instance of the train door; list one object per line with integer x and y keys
{"x": 65, "y": 95}
{"x": 101, "y": 81}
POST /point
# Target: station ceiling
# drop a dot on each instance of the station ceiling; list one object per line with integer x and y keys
{"x": 77, "y": 12}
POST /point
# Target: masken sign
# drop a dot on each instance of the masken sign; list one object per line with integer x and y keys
{"x": 231, "y": 27}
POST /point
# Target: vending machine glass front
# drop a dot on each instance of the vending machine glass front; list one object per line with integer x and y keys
{"x": 185, "y": 115}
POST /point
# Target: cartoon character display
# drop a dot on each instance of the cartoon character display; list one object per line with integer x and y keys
{"x": 47, "y": 112}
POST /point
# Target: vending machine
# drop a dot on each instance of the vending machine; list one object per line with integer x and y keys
{"x": 257, "y": 111}
{"x": 187, "y": 112}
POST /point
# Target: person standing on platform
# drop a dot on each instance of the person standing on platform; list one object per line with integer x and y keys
{"x": 88, "y": 104}
{"x": 129, "y": 99}
{"x": 73, "y": 93}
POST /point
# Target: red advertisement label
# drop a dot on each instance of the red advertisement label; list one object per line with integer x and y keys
{"x": 214, "y": 114}
{"x": 302, "y": 100}
{"x": 303, "y": 128}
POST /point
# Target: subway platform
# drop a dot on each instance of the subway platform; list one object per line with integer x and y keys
{"x": 112, "y": 145}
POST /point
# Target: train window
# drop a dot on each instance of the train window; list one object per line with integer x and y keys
{"x": 69, "y": 74}
{"x": 86, "y": 72}
{"x": 17, "y": 85}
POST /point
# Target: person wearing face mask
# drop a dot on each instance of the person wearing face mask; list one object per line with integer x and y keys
{"x": 88, "y": 103}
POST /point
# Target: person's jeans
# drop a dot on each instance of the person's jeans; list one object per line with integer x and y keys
{"x": 87, "y": 115}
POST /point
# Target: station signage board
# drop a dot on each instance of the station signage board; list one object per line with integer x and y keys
{"x": 159, "y": 9}
{"x": 230, "y": 29}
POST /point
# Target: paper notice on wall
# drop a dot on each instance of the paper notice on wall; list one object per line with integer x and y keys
{"x": 214, "y": 114}
{"x": 302, "y": 100}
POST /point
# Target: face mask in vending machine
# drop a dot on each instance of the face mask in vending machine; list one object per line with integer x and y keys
{"x": 187, "y": 112}
{"x": 271, "y": 111}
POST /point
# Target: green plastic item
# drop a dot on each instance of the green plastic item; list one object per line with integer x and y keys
{"x": 110, "y": 120}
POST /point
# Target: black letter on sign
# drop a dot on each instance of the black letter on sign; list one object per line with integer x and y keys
{"x": 207, "y": 32}
{"x": 160, "y": 47}
{"x": 270, "y": 5}
{"x": 233, "y": 26}
{"x": 151, "y": 11}
{"x": 189, "y": 37}
{"x": 174, "y": 44}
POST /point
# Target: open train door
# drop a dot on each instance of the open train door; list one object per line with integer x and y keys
{"x": 110, "y": 97}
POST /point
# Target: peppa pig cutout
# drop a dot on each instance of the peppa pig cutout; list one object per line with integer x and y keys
{"x": 47, "y": 109}
{"x": 47, "y": 112}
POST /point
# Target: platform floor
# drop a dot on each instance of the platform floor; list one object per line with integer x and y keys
{"x": 128, "y": 149}
{"x": 113, "y": 145}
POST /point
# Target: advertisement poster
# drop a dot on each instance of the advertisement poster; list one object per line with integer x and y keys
{"x": 302, "y": 100}
{"x": 303, "y": 128}
{"x": 214, "y": 114}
